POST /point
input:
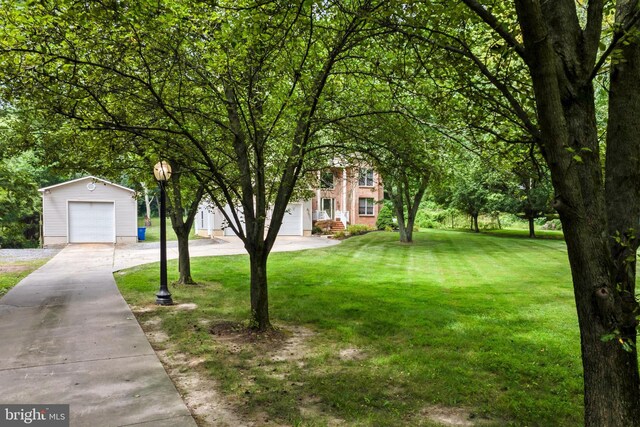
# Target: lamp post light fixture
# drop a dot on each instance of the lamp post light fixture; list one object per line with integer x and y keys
{"x": 162, "y": 172}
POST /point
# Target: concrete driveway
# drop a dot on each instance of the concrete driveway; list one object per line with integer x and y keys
{"x": 143, "y": 253}
{"x": 68, "y": 337}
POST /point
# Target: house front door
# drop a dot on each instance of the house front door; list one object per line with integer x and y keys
{"x": 327, "y": 206}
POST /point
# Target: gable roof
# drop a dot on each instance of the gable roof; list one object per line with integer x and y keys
{"x": 91, "y": 177}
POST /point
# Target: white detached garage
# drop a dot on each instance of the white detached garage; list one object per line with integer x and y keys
{"x": 89, "y": 210}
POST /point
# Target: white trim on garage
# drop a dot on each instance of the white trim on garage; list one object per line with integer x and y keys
{"x": 95, "y": 179}
{"x": 91, "y": 221}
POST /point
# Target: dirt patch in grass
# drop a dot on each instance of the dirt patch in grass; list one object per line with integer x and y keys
{"x": 455, "y": 417}
{"x": 137, "y": 310}
{"x": 238, "y": 332}
{"x": 312, "y": 408}
{"x": 277, "y": 345}
{"x": 352, "y": 353}
{"x": 198, "y": 390}
{"x": 186, "y": 306}
{"x": 271, "y": 353}
{"x": 13, "y": 268}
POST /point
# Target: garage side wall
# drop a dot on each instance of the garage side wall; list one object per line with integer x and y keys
{"x": 54, "y": 209}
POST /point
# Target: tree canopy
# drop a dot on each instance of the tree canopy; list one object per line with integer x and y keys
{"x": 247, "y": 91}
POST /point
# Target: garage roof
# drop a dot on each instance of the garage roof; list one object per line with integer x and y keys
{"x": 95, "y": 179}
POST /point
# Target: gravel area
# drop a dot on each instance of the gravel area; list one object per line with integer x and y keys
{"x": 13, "y": 255}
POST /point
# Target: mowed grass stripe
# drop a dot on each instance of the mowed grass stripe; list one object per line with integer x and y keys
{"x": 456, "y": 320}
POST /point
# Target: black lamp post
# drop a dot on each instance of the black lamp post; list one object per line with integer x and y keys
{"x": 162, "y": 172}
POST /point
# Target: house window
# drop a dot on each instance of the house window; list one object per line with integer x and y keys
{"x": 365, "y": 206}
{"x": 366, "y": 178}
{"x": 327, "y": 206}
{"x": 326, "y": 179}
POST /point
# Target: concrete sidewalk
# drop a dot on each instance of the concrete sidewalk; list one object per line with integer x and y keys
{"x": 143, "y": 253}
{"x": 67, "y": 336}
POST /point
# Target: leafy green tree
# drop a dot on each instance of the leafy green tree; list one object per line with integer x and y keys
{"x": 552, "y": 53}
{"x": 236, "y": 87}
{"x": 23, "y": 169}
{"x": 184, "y": 194}
{"x": 121, "y": 158}
{"x": 474, "y": 189}
{"x": 20, "y": 204}
{"x": 531, "y": 195}
{"x": 405, "y": 158}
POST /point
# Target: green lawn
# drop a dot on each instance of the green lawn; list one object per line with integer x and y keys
{"x": 152, "y": 234}
{"x": 514, "y": 232}
{"x": 476, "y": 323}
{"x": 12, "y": 272}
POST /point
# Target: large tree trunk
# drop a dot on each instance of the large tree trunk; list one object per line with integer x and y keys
{"x": 566, "y": 115}
{"x": 409, "y": 230}
{"x": 405, "y": 234}
{"x": 399, "y": 187}
{"x": 259, "y": 295}
{"x": 474, "y": 222}
{"x": 610, "y": 373}
{"x": 182, "y": 231}
{"x": 184, "y": 257}
{"x": 181, "y": 225}
{"x": 622, "y": 185}
{"x": 532, "y": 228}
{"x": 398, "y": 206}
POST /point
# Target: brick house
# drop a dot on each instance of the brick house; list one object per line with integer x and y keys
{"x": 348, "y": 194}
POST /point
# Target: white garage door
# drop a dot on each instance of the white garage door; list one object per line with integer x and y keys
{"x": 292, "y": 221}
{"x": 92, "y": 222}
{"x": 228, "y": 231}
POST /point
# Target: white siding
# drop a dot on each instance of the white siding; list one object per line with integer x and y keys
{"x": 307, "y": 217}
{"x": 56, "y": 198}
{"x": 204, "y": 220}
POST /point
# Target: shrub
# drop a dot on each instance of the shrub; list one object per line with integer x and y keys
{"x": 430, "y": 219}
{"x": 340, "y": 235}
{"x": 323, "y": 227}
{"x": 385, "y": 217}
{"x": 356, "y": 229}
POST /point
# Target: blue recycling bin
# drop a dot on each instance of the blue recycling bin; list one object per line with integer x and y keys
{"x": 141, "y": 232}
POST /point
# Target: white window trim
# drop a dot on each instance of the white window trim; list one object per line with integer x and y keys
{"x": 364, "y": 175}
{"x": 373, "y": 206}
{"x": 333, "y": 180}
